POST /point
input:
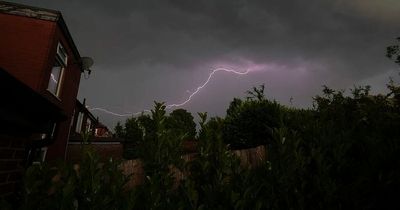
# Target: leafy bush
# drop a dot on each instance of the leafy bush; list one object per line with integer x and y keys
{"x": 250, "y": 123}
{"x": 133, "y": 134}
{"x": 138, "y": 130}
{"x": 160, "y": 152}
{"x": 182, "y": 122}
{"x": 211, "y": 181}
{"x": 91, "y": 185}
{"x": 342, "y": 154}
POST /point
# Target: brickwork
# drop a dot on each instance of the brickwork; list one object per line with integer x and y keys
{"x": 69, "y": 92}
{"x": 28, "y": 51}
{"x": 12, "y": 160}
{"x": 28, "y": 40}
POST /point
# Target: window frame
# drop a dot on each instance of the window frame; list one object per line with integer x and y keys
{"x": 62, "y": 59}
{"x": 79, "y": 122}
{"x": 42, "y": 152}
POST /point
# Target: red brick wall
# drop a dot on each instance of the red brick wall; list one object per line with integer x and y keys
{"x": 69, "y": 92}
{"x": 56, "y": 151}
{"x": 12, "y": 159}
{"x": 25, "y": 47}
{"x": 28, "y": 51}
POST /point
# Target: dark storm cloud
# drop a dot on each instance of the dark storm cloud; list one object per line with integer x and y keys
{"x": 171, "y": 44}
{"x": 181, "y": 33}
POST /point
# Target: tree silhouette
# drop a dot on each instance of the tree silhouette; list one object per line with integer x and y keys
{"x": 393, "y": 52}
{"x": 182, "y": 122}
{"x": 119, "y": 130}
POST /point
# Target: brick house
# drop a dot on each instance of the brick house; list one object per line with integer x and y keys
{"x": 25, "y": 128}
{"x": 102, "y": 131}
{"x": 100, "y": 139}
{"x": 83, "y": 121}
{"x": 38, "y": 50}
{"x": 42, "y": 68}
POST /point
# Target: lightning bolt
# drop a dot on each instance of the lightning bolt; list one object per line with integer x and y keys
{"x": 205, "y": 83}
{"x": 117, "y": 114}
{"x": 177, "y": 104}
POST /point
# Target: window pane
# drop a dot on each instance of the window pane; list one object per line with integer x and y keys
{"x": 54, "y": 80}
{"x": 62, "y": 54}
{"x": 79, "y": 123}
{"x": 88, "y": 125}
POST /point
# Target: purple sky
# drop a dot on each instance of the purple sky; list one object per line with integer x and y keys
{"x": 146, "y": 50}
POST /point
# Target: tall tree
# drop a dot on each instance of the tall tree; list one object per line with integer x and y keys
{"x": 250, "y": 123}
{"x": 133, "y": 137}
{"x": 119, "y": 130}
{"x": 182, "y": 122}
{"x": 393, "y": 52}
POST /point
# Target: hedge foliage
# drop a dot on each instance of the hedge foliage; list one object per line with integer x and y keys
{"x": 344, "y": 153}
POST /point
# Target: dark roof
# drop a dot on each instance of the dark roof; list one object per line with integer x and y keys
{"x": 42, "y": 14}
{"x": 24, "y": 110}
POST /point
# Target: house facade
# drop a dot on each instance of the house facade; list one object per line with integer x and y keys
{"x": 83, "y": 121}
{"x": 99, "y": 139}
{"x": 38, "y": 50}
{"x": 102, "y": 131}
{"x": 40, "y": 72}
{"x": 26, "y": 128}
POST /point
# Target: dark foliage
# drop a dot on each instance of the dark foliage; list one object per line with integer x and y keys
{"x": 182, "y": 122}
{"x": 393, "y": 52}
{"x": 250, "y": 123}
{"x": 342, "y": 154}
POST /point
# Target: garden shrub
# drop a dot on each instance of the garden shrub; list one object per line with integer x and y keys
{"x": 250, "y": 123}
{"x": 342, "y": 154}
{"x": 89, "y": 185}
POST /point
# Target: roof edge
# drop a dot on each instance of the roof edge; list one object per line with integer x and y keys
{"x": 42, "y": 14}
{"x": 63, "y": 26}
{"x": 29, "y": 11}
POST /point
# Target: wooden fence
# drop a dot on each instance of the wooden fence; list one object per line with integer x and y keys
{"x": 249, "y": 158}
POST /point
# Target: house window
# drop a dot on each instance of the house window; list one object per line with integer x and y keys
{"x": 57, "y": 71}
{"x": 51, "y": 134}
{"x": 62, "y": 54}
{"x": 78, "y": 127}
{"x": 39, "y": 156}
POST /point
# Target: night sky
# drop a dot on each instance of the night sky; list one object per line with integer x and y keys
{"x": 146, "y": 50}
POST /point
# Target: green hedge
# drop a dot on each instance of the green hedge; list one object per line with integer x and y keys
{"x": 342, "y": 154}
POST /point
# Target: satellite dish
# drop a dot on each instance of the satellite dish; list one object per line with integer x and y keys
{"x": 87, "y": 62}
